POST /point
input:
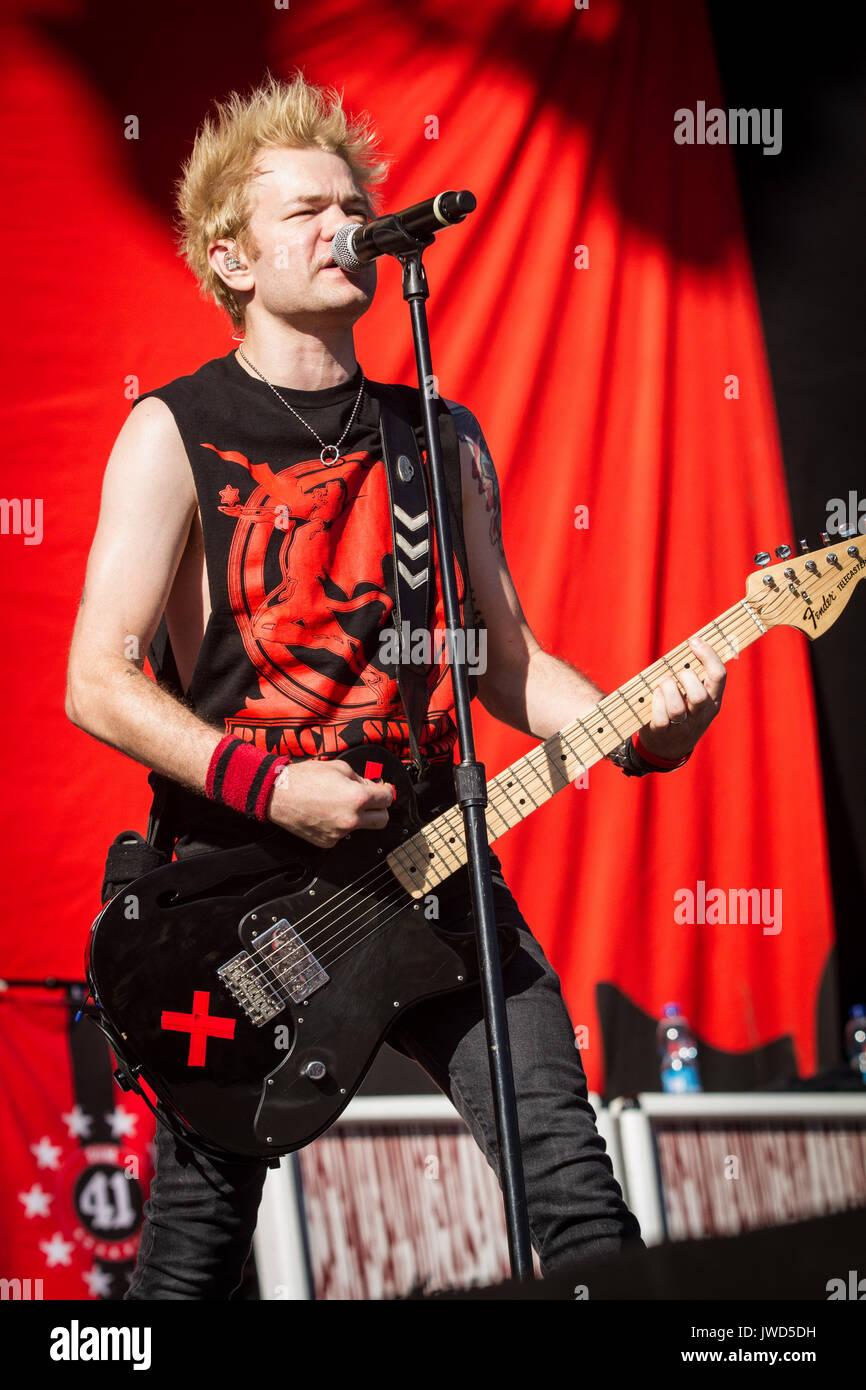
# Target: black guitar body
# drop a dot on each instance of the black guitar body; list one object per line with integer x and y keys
{"x": 251, "y": 988}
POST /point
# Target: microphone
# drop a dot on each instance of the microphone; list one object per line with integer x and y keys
{"x": 354, "y": 246}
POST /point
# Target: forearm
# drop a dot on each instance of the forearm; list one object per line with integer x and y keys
{"x": 121, "y": 706}
{"x": 541, "y": 696}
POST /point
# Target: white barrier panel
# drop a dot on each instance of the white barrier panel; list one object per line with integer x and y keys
{"x": 395, "y": 1197}
{"x": 695, "y": 1166}
{"x": 279, "y": 1244}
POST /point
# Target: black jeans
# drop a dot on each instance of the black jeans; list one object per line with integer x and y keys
{"x": 200, "y": 1217}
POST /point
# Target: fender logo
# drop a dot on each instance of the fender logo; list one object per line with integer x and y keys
{"x": 813, "y": 614}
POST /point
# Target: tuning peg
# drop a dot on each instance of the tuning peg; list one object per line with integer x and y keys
{"x": 804, "y": 545}
{"x": 783, "y": 551}
{"x": 762, "y": 558}
{"x": 825, "y": 538}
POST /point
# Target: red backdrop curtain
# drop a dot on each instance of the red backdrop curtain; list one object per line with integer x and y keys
{"x": 598, "y": 377}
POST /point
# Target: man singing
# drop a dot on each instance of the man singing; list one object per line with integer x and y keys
{"x": 246, "y": 505}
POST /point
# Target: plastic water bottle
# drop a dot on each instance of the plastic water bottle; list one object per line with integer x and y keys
{"x": 855, "y": 1039}
{"x": 678, "y": 1050}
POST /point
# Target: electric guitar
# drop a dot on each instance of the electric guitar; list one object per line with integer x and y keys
{"x": 251, "y": 988}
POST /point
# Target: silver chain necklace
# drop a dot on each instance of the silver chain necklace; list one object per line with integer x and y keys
{"x": 330, "y": 449}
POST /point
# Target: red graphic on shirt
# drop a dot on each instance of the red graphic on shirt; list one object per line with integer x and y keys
{"x": 306, "y": 585}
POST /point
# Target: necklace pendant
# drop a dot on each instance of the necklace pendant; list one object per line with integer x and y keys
{"x": 332, "y": 451}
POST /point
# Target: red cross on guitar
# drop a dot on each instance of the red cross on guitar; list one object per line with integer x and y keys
{"x": 200, "y": 1025}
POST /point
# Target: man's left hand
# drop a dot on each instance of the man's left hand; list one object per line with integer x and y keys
{"x": 679, "y": 720}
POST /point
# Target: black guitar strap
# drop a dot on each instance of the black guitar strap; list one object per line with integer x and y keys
{"x": 412, "y": 546}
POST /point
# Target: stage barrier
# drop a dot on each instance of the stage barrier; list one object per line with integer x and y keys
{"x": 724, "y": 1163}
{"x": 397, "y": 1197}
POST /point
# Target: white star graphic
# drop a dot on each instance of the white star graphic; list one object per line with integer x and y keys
{"x": 98, "y": 1282}
{"x": 47, "y": 1154}
{"x": 57, "y": 1250}
{"x": 122, "y": 1122}
{"x": 77, "y": 1123}
{"x": 36, "y": 1201}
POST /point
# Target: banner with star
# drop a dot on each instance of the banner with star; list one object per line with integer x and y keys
{"x": 78, "y": 1152}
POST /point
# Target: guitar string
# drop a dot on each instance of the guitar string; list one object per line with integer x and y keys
{"x": 747, "y": 625}
{"x": 329, "y": 964}
{"x": 340, "y": 900}
{"x": 744, "y": 623}
{"x": 385, "y": 902}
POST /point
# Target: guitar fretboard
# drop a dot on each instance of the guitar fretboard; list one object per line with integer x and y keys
{"x": 439, "y": 850}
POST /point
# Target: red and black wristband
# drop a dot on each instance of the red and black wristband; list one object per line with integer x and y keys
{"x": 635, "y": 761}
{"x": 241, "y": 776}
{"x": 656, "y": 763}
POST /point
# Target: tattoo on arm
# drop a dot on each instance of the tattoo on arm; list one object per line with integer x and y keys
{"x": 479, "y": 616}
{"x": 483, "y": 471}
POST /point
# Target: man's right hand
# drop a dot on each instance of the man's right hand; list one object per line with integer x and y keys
{"x": 322, "y": 800}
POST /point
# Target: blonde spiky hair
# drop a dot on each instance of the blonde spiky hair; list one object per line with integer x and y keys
{"x": 212, "y": 193}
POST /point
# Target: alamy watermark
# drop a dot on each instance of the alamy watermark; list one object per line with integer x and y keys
{"x": 20, "y": 1289}
{"x": 77, "y": 1343}
{"x": 846, "y": 514}
{"x": 22, "y": 516}
{"x": 738, "y": 126}
{"x": 716, "y": 907}
{"x": 853, "y": 1288}
{"x": 420, "y": 645}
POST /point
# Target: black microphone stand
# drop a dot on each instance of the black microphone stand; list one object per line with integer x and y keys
{"x": 469, "y": 775}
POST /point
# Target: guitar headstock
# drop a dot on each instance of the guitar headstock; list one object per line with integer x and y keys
{"x": 808, "y": 590}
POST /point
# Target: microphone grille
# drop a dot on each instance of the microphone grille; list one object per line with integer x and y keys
{"x": 341, "y": 248}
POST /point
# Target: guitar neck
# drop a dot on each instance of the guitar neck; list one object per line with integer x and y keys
{"x": 437, "y": 851}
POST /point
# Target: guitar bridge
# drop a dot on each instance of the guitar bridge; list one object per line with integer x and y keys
{"x": 282, "y": 969}
{"x": 247, "y": 985}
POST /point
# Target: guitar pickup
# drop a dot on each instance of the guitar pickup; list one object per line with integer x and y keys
{"x": 289, "y": 961}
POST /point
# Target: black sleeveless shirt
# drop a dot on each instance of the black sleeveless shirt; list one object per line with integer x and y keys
{"x": 299, "y": 566}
